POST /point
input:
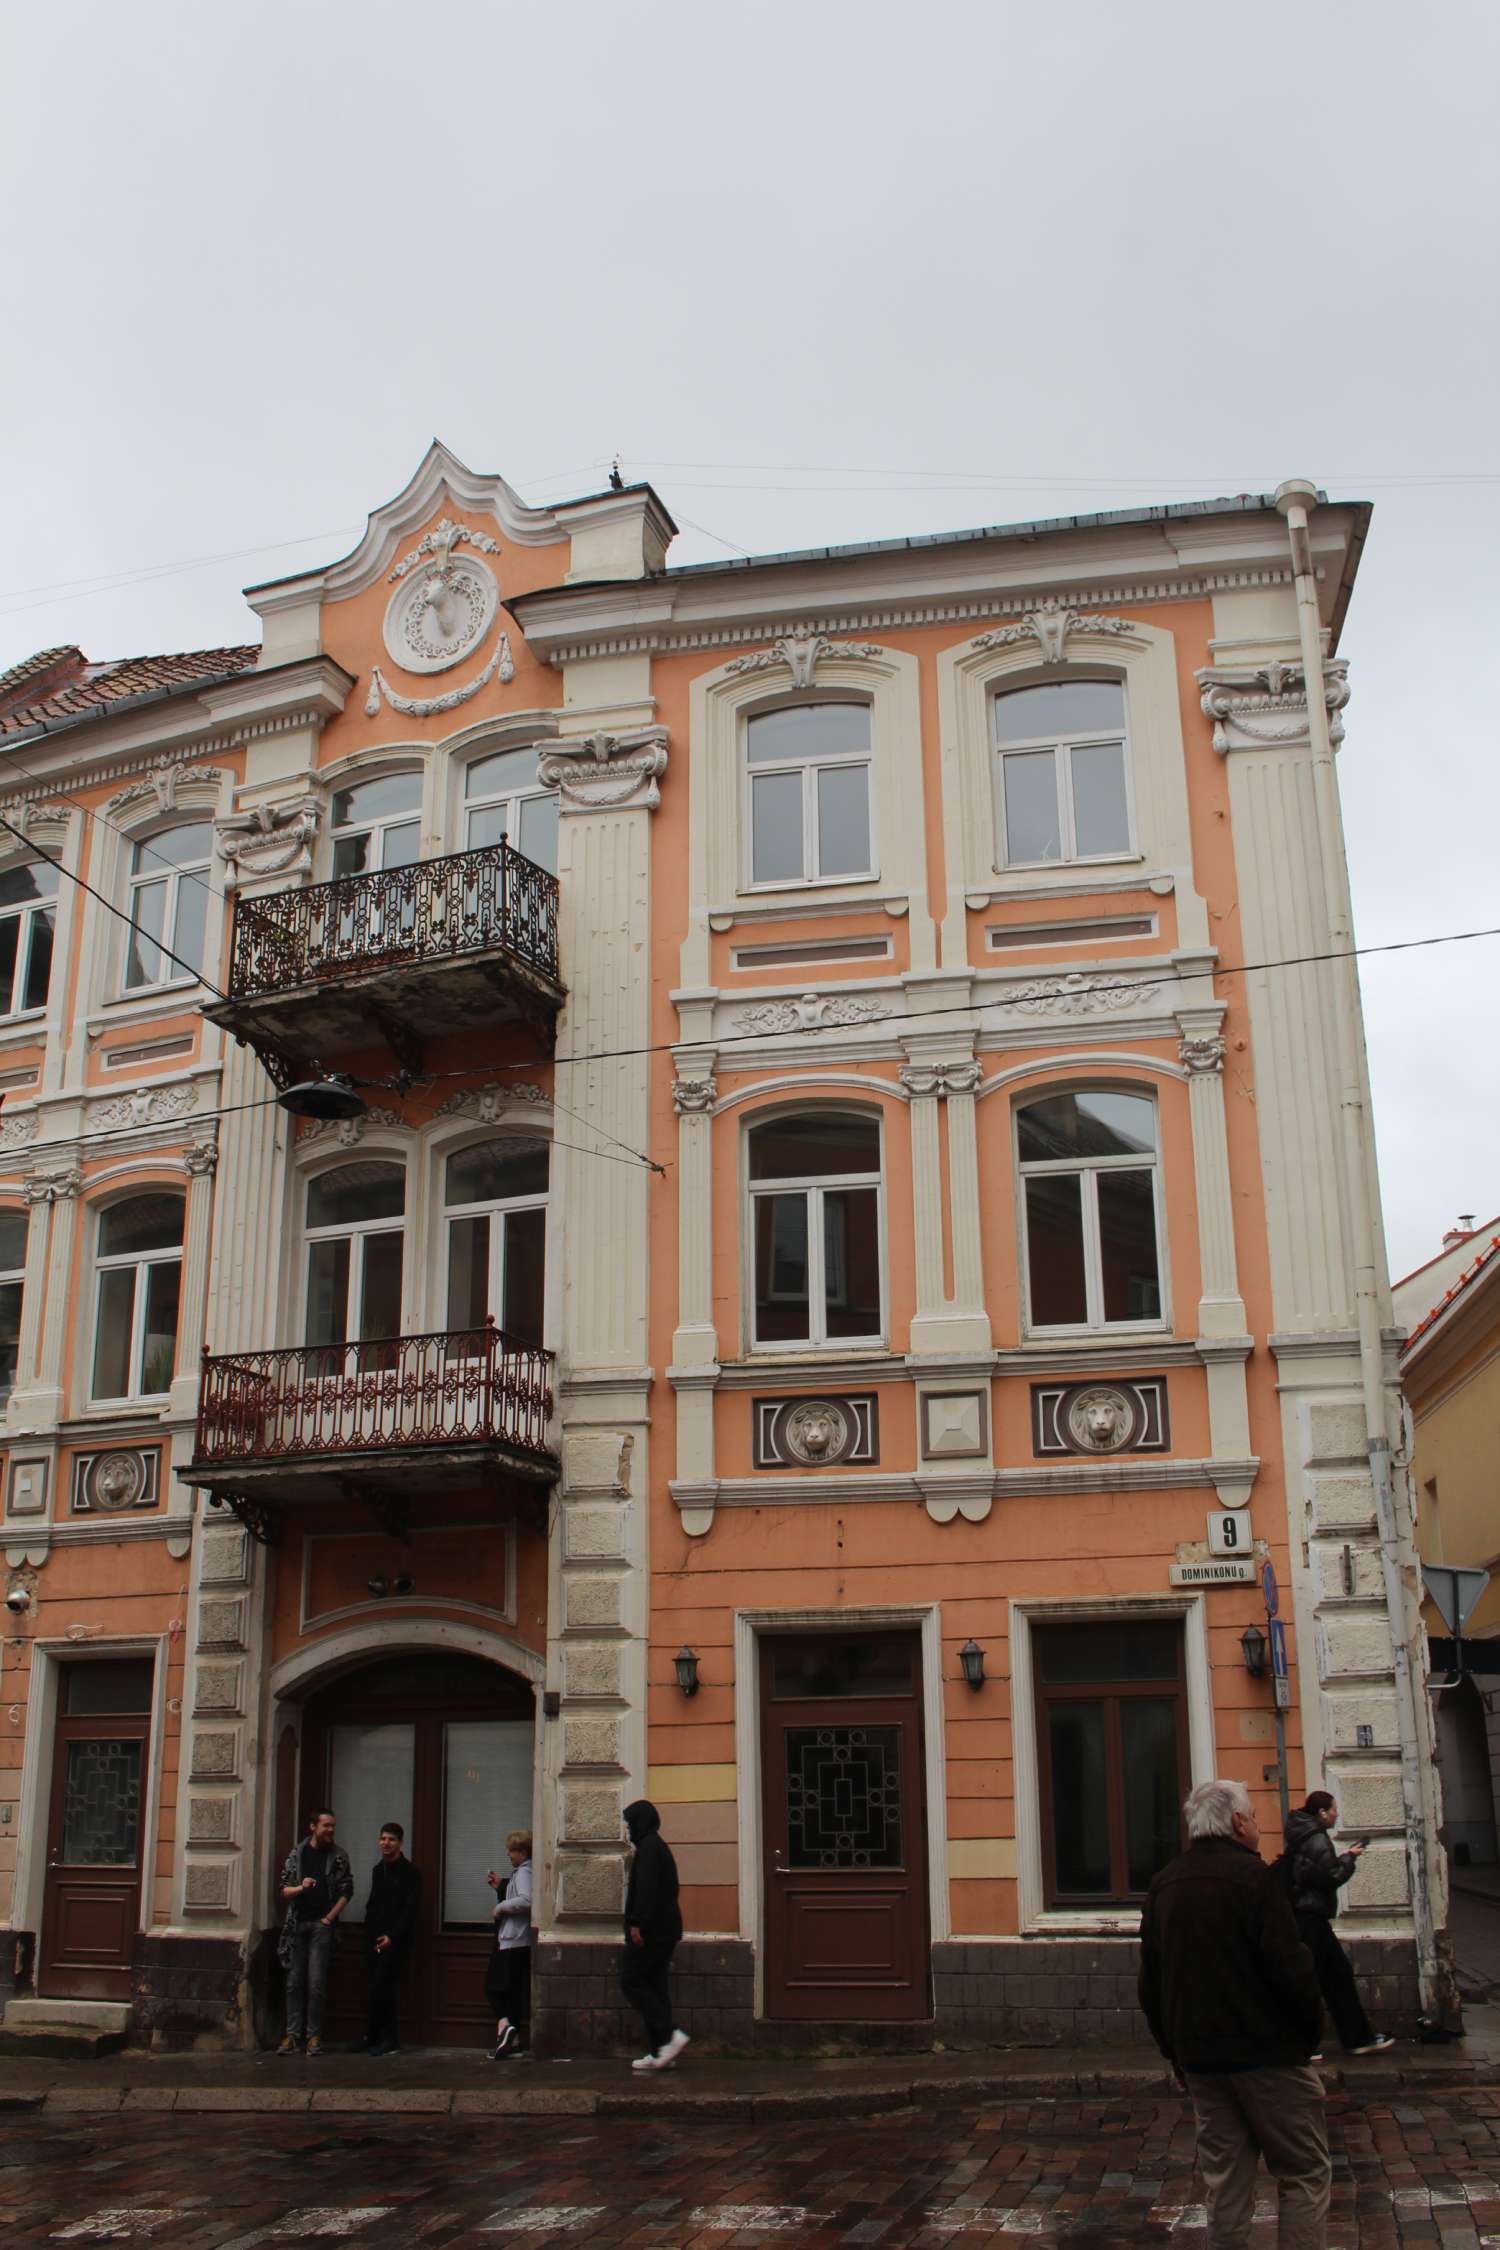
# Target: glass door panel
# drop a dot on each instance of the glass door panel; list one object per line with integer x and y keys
{"x": 372, "y": 1770}
{"x": 486, "y": 1793}
{"x": 102, "y": 1803}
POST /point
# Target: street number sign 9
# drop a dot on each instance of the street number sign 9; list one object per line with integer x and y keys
{"x": 1229, "y": 1532}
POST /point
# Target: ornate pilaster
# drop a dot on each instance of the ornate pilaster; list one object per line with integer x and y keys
{"x": 943, "y": 1091}
{"x": 695, "y": 1342}
{"x": 1223, "y": 1343}
{"x": 599, "y": 1611}
{"x": 201, "y": 1161}
{"x": 53, "y": 1198}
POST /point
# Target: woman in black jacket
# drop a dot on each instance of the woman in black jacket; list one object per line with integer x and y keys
{"x": 653, "y": 1926}
{"x": 1318, "y": 1874}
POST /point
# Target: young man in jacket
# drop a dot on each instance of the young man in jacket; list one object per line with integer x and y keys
{"x": 1318, "y": 1875}
{"x": 390, "y": 1926}
{"x": 316, "y": 1885}
{"x": 653, "y": 1925}
{"x": 1232, "y": 1999}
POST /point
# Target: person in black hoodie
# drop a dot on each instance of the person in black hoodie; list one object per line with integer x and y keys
{"x": 653, "y": 1925}
{"x": 1230, "y": 1994}
{"x": 1318, "y": 1875}
{"x": 390, "y": 1926}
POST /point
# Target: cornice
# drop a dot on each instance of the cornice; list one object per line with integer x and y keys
{"x": 641, "y": 617}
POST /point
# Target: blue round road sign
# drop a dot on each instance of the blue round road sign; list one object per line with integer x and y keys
{"x": 1268, "y": 1587}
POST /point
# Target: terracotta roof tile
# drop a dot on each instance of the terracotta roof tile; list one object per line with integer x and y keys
{"x": 60, "y": 685}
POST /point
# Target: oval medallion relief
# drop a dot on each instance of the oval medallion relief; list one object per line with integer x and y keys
{"x": 439, "y": 615}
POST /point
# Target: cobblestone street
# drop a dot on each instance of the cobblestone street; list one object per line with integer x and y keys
{"x": 1410, "y": 2167}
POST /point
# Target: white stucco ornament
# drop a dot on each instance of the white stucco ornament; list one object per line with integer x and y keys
{"x": 445, "y": 600}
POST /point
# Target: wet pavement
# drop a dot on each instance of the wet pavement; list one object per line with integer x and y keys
{"x": 1411, "y": 2166}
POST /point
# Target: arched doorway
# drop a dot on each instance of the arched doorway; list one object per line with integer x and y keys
{"x": 444, "y": 1744}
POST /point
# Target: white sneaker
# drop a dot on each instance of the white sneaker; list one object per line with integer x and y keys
{"x": 1375, "y": 2046}
{"x": 672, "y": 2050}
{"x": 646, "y": 2062}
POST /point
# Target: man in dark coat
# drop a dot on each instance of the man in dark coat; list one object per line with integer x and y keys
{"x": 653, "y": 1925}
{"x": 1232, "y": 1999}
{"x": 390, "y": 1926}
{"x": 1318, "y": 1875}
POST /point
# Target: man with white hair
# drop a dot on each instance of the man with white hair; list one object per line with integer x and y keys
{"x": 1231, "y": 1995}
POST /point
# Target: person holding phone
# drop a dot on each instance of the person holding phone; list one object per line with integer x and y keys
{"x": 507, "y": 1982}
{"x": 1318, "y": 1874}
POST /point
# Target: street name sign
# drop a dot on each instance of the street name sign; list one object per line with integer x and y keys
{"x": 1232, "y": 1570}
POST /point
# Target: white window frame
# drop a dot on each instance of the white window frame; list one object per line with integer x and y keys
{"x": 809, "y": 769}
{"x": 1062, "y": 747}
{"x": 10, "y": 1277}
{"x": 374, "y": 829}
{"x": 511, "y": 799}
{"x": 499, "y": 1235}
{"x": 139, "y": 1261}
{"x": 27, "y": 914}
{"x": 814, "y": 1187}
{"x": 168, "y": 873}
{"x": 1088, "y": 1168}
{"x": 356, "y": 1233}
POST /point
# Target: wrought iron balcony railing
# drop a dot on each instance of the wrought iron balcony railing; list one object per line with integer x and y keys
{"x": 434, "y": 910}
{"x": 311, "y": 1402}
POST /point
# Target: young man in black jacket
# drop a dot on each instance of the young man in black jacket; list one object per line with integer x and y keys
{"x": 1232, "y": 1999}
{"x": 653, "y": 1925}
{"x": 390, "y": 1926}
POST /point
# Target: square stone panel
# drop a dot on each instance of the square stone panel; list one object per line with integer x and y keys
{"x": 216, "y": 1757}
{"x": 221, "y": 1621}
{"x": 211, "y": 1820}
{"x": 209, "y": 1886}
{"x": 225, "y": 1556}
{"x": 216, "y": 1687}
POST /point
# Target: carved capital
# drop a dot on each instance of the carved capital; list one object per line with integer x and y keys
{"x": 52, "y": 1187}
{"x": 488, "y": 1104}
{"x": 1264, "y": 706}
{"x": 349, "y": 1131}
{"x": 607, "y": 772}
{"x": 202, "y": 1159}
{"x": 801, "y": 651}
{"x": 165, "y": 783}
{"x": 1050, "y": 627}
{"x": 694, "y": 1094}
{"x": 1200, "y": 1057}
{"x": 271, "y": 840}
{"x": 940, "y": 1079}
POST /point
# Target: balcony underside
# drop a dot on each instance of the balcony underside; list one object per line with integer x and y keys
{"x": 403, "y": 1003}
{"x": 395, "y": 1485}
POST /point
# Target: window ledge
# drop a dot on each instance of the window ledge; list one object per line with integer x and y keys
{"x": 857, "y": 1364}
{"x": 1072, "y": 880}
{"x": 805, "y": 902}
{"x": 1116, "y": 1922}
{"x": 1118, "y": 1355}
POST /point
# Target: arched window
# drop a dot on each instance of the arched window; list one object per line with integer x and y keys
{"x": 1089, "y": 1182}
{"x": 355, "y": 1217}
{"x": 808, "y": 775}
{"x": 140, "y": 1283}
{"x": 169, "y": 893}
{"x": 28, "y": 919}
{"x": 1063, "y": 788}
{"x": 377, "y": 823}
{"x": 495, "y": 1196}
{"x": 815, "y": 1229}
{"x": 504, "y": 799}
{"x": 12, "y": 1286}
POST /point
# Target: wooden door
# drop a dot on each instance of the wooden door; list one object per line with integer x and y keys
{"x": 91, "y": 1906}
{"x": 845, "y": 1830}
{"x": 443, "y": 1745}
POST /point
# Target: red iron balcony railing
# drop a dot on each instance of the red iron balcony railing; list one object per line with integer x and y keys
{"x": 459, "y": 1388}
{"x": 435, "y": 910}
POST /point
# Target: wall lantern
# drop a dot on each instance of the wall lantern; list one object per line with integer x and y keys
{"x": 687, "y": 1671}
{"x": 971, "y": 1657}
{"x": 1253, "y": 1649}
{"x": 329, "y": 1097}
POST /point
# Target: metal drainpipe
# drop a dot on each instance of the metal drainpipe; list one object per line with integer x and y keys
{"x": 1295, "y": 499}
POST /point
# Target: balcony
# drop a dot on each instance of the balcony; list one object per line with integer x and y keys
{"x": 400, "y": 954}
{"x": 455, "y": 1410}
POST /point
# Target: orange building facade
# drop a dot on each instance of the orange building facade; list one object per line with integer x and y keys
{"x": 854, "y": 1244}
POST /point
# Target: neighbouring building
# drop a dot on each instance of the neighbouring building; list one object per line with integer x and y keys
{"x": 851, "y": 1244}
{"x": 1450, "y": 1372}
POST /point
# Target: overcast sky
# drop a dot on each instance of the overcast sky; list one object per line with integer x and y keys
{"x": 821, "y": 272}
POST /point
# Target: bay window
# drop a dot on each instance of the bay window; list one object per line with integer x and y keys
{"x": 355, "y": 1217}
{"x": 503, "y": 800}
{"x": 28, "y": 922}
{"x": 808, "y": 779}
{"x": 1090, "y": 1210}
{"x": 139, "y": 1287}
{"x": 815, "y": 1229}
{"x": 1062, "y": 778}
{"x": 495, "y": 1198}
{"x": 169, "y": 891}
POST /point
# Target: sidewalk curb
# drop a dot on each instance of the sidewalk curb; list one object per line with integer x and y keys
{"x": 712, "y": 2105}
